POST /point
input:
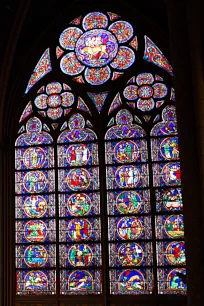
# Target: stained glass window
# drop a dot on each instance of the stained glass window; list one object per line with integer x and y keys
{"x": 97, "y": 175}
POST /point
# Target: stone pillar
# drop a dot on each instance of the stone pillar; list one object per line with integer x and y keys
{"x": 185, "y": 54}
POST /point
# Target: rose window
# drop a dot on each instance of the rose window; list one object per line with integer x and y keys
{"x": 96, "y": 49}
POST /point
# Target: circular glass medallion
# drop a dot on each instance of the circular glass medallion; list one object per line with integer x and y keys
{"x": 70, "y": 65}
{"x": 67, "y": 99}
{"x": 97, "y": 76}
{"x": 173, "y": 199}
{"x": 79, "y": 204}
{"x": 130, "y": 280}
{"x": 35, "y": 281}
{"x": 80, "y": 281}
{"x": 145, "y": 105}
{"x": 130, "y": 254}
{"x": 35, "y": 256}
{"x": 160, "y": 90}
{"x": 54, "y": 87}
{"x": 124, "y": 58}
{"x": 34, "y": 181}
{"x": 69, "y": 37}
{"x": 127, "y": 176}
{"x": 126, "y": 151}
{"x": 35, "y": 231}
{"x": 55, "y": 113}
{"x": 174, "y": 226}
{"x": 35, "y": 206}
{"x": 78, "y": 179}
{"x": 96, "y": 48}
{"x": 34, "y": 158}
{"x": 95, "y": 20}
{"x": 130, "y": 92}
{"x": 122, "y": 30}
{"x": 54, "y": 100}
{"x": 76, "y": 121}
{"x": 171, "y": 174}
{"x": 145, "y": 91}
{"x": 129, "y": 228}
{"x": 79, "y": 229}
{"x": 145, "y": 78}
{"x": 128, "y": 202}
{"x": 124, "y": 117}
{"x": 41, "y": 101}
{"x": 33, "y": 125}
{"x": 169, "y": 148}
{"x": 78, "y": 155}
{"x": 80, "y": 255}
{"x": 176, "y": 279}
{"x": 175, "y": 253}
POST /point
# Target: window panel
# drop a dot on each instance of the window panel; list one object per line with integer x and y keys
{"x": 172, "y": 281}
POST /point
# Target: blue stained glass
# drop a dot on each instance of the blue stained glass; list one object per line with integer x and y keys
{"x": 169, "y": 226}
{"x": 169, "y": 124}
{"x": 130, "y": 254}
{"x": 80, "y": 230}
{"x": 172, "y": 281}
{"x": 166, "y": 174}
{"x": 171, "y": 253}
{"x": 77, "y": 155}
{"x": 35, "y": 231}
{"x": 80, "y": 282}
{"x": 79, "y": 179}
{"x": 79, "y": 204}
{"x": 35, "y": 256}
{"x": 125, "y": 131}
{"x": 126, "y": 151}
{"x": 128, "y": 202}
{"x": 131, "y": 281}
{"x": 165, "y": 148}
{"x": 35, "y": 182}
{"x": 35, "y": 206}
{"x": 129, "y": 228}
{"x": 38, "y": 282}
{"x": 80, "y": 255}
{"x": 169, "y": 199}
{"x": 34, "y": 158}
{"x": 28, "y": 139}
{"x": 77, "y": 135}
{"x": 127, "y": 176}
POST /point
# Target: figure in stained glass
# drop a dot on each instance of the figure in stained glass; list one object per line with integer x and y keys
{"x": 169, "y": 148}
{"x": 78, "y": 179}
{"x": 177, "y": 279}
{"x": 35, "y": 206}
{"x": 171, "y": 174}
{"x": 171, "y": 199}
{"x": 35, "y": 181}
{"x": 78, "y": 155}
{"x": 35, "y": 256}
{"x": 79, "y": 229}
{"x": 79, "y": 204}
{"x": 127, "y": 176}
{"x": 35, "y": 231}
{"x": 35, "y": 280}
{"x": 126, "y": 151}
{"x": 175, "y": 253}
{"x": 34, "y": 158}
{"x": 80, "y": 281}
{"x": 130, "y": 254}
{"x": 130, "y": 280}
{"x": 128, "y": 202}
{"x": 80, "y": 255}
{"x": 129, "y": 228}
{"x": 174, "y": 226}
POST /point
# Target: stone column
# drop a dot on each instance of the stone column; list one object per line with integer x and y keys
{"x": 185, "y": 53}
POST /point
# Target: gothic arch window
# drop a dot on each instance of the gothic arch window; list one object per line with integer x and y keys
{"x": 98, "y": 205}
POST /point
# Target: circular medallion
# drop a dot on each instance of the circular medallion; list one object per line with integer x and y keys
{"x": 78, "y": 179}
{"x": 54, "y": 113}
{"x": 70, "y": 65}
{"x": 79, "y": 229}
{"x": 97, "y": 76}
{"x": 173, "y": 199}
{"x": 128, "y": 202}
{"x": 160, "y": 90}
{"x": 80, "y": 280}
{"x": 35, "y": 206}
{"x": 176, "y": 279}
{"x": 80, "y": 255}
{"x": 34, "y": 181}
{"x": 124, "y": 58}
{"x": 175, "y": 253}
{"x": 35, "y": 256}
{"x": 69, "y": 37}
{"x": 96, "y": 48}
{"x": 34, "y": 158}
{"x": 169, "y": 148}
{"x": 35, "y": 281}
{"x": 35, "y": 231}
{"x": 174, "y": 226}
{"x": 54, "y": 100}
{"x": 129, "y": 228}
{"x": 67, "y": 99}
{"x": 78, "y": 155}
{"x": 41, "y": 101}
{"x": 130, "y": 92}
{"x": 53, "y": 88}
{"x": 130, "y": 254}
{"x": 126, "y": 151}
{"x": 145, "y": 78}
{"x": 130, "y": 280}
{"x": 122, "y": 30}
{"x": 95, "y": 20}
{"x": 79, "y": 204}
{"x": 171, "y": 174}
{"x": 145, "y": 92}
{"x": 145, "y": 105}
{"x": 127, "y": 176}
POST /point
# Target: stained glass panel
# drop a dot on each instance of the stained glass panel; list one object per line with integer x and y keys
{"x": 169, "y": 199}
{"x": 166, "y": 174}
{"x": 172, "y": 281}
{"x": 169, "y": 226}
{"x": 165, "y": 148}
{"x": 171, "y": 253}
